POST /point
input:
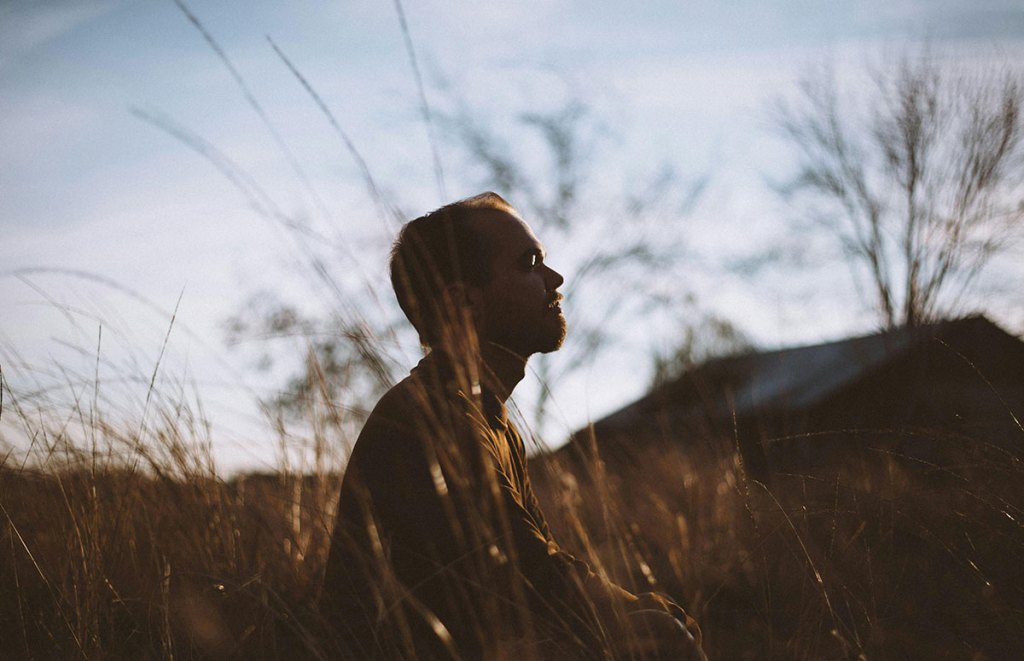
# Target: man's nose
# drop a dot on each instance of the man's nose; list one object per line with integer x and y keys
{"x": 554, "y": 279}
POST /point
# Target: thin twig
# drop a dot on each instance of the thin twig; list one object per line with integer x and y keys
{"x": 156, "y": 367}
{"x": 349, "y": 144}
{"x": 424, "y": 105}
{"x": 256, "y": 106}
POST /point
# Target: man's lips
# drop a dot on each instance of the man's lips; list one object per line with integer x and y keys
{"x": 555, "y": 303}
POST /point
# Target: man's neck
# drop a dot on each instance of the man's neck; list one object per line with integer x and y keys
{"x": 499, "y": 370}
{"x": 502, "y": 370}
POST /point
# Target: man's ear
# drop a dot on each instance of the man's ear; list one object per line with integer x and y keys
{"x": 468, "y": 297}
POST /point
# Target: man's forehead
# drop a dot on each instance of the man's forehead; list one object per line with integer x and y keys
{"x": 505, "y": 229}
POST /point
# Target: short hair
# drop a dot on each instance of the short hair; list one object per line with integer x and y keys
{"x": 436, "y": 250}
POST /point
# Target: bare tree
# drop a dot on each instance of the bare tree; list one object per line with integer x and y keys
{"x": 918, "y": 177}
{"x": 704, "y": 336}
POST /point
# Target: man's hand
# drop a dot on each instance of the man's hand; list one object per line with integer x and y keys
{"x": 645, "y": 627}
{"x": 658, "y": 630}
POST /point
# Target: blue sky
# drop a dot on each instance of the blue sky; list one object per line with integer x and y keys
{"x": 86, "y": 186}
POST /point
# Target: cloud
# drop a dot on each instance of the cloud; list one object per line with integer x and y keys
{"x": 27, "y": 25}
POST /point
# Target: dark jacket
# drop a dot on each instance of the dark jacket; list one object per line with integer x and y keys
{"x": 440, "y": 549}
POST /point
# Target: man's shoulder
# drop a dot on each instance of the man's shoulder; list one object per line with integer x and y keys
{"x": 394, "y": 411}
{"x": 412, "y": 408}
{"x": 398, "y": 400}
{"x": 409, "y": 418}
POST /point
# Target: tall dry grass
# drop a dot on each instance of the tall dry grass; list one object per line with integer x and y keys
{"x": 864, "y": 550}
{"x": 121, "y": 539}
{"x": 121, "y": 545}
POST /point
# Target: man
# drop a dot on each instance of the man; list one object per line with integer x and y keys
{"x": 440, "y": 550}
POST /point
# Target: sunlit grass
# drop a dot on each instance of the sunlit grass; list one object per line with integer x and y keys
{"x": 123, "y": 541}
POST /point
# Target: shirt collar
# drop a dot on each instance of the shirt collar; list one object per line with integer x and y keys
{"x": 439, "y": 365}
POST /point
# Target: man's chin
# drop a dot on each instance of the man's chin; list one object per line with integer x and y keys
{"x": 551, "y": 349}
{"x": 545, "y": 339}
{"x": 555, "y": 342}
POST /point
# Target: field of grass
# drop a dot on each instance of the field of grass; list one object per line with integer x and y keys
{"x": 146, "y": 552}
{"x": 122, "y": 540}
{"x": 868, "y": 553}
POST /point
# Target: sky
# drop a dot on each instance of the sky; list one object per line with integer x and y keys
{"x": 121, "y": 242}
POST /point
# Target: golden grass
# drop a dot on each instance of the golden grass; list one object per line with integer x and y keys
{"x": 864, "y": 552}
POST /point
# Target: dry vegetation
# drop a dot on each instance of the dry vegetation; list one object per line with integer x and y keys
{"x": 124, "y": 542}
{"x": 867, "y": 553}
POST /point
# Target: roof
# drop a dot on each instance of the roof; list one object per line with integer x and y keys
{"x": 798, "y": 378}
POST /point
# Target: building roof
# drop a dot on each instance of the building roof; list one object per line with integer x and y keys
{"x": 798, "y": 379}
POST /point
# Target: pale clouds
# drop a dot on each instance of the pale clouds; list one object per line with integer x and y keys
{"x": 85, "y": 185}
{"x": 26, "y": 25}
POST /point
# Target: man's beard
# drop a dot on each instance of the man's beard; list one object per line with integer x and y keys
{"x": 543, "y": 337}
{"x": 554, "y": 342}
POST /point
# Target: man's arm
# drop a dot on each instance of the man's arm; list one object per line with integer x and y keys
{"x": 461, "y": 518}
{"x": 645, "y": 622}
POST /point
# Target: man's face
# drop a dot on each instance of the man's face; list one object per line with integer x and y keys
{"x": 520, "y": 308}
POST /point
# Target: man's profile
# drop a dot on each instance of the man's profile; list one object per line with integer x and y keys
{"x": 440, "y": 549}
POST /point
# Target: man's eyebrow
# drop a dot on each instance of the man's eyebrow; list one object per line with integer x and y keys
{"x": 532, "y": 251}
